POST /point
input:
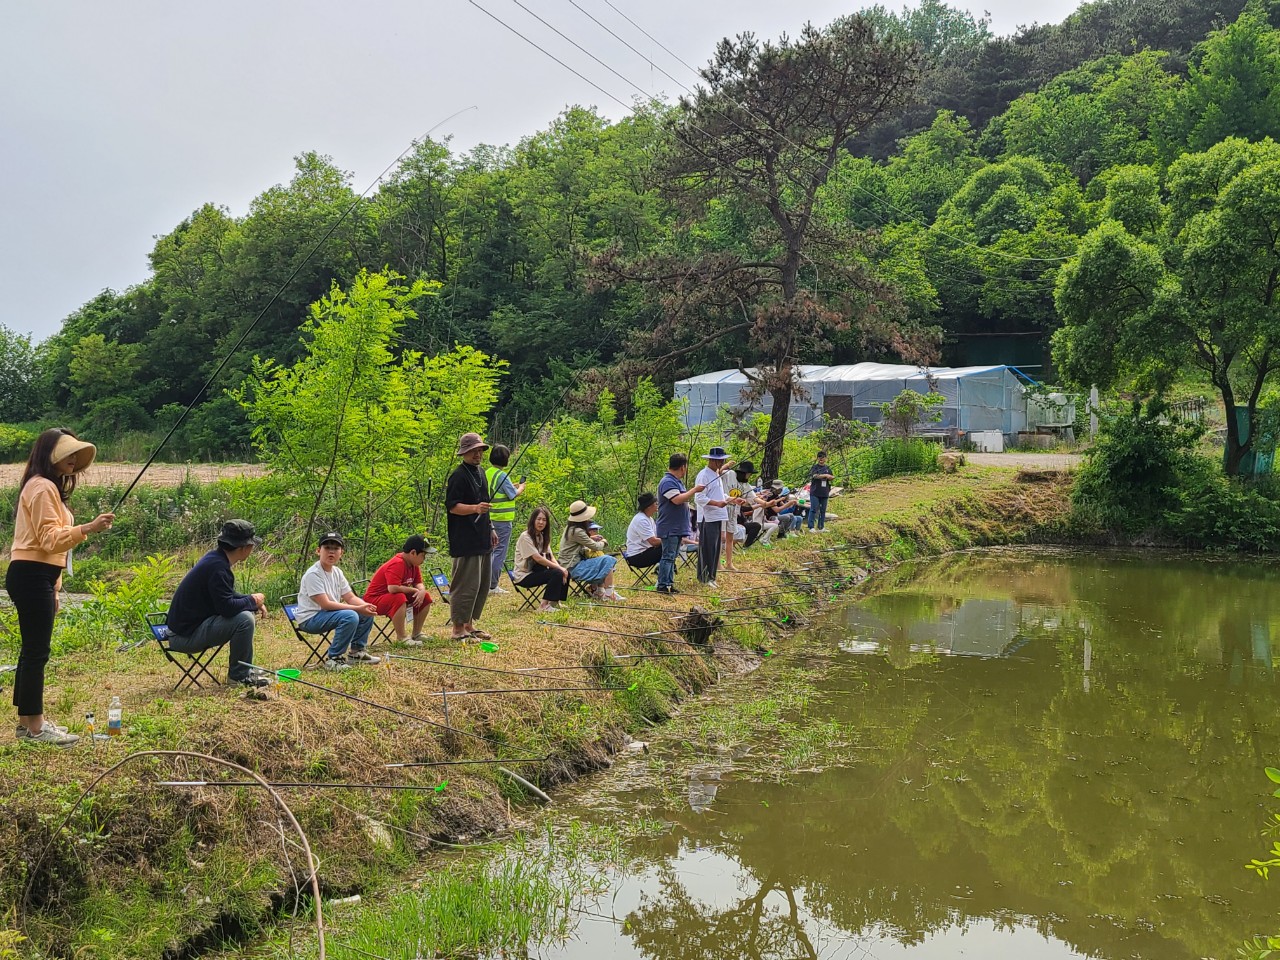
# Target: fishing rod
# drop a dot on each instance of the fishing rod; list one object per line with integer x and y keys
{"x": 653, "y": 634}
{"x": 472, "y": 693}
{"x": 375, "y": 704}
{"x": 654, "y": 637}
{"x": 319, "y": 784}
{"x": 526, "y": 672}
{"x": 274, "y": 297}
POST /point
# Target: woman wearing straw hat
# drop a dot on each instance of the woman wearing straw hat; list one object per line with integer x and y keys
{"x": 580, "y": 553}
{"x": 44, "y": 531}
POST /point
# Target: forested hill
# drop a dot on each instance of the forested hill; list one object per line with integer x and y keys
{"x": 956, "y": 214}
{"x": 977, "y": 75}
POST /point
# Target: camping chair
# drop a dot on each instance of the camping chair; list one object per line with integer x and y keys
{"x": 441, "y": 580}
{"x": 644, "y": 575}
{"x": 688, "y": 554}
{"x": 528, "y": 595}
{"x": 382, "y": 631}
{"x": 317, "y": 643}
{"x": 193, "y": 665}
{"x": 579, "y": 589}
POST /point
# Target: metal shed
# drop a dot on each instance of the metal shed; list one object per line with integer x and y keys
{"x": 976, "y": 399}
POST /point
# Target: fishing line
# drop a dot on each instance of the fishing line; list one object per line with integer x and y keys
{"x": 374, "y": 703}
{"x": 905, "y": 215}
{"x": 276, "y": 296}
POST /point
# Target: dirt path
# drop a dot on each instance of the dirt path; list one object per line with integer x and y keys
{"x": 157, "y": 475}
{"x": 1027, "y": 461}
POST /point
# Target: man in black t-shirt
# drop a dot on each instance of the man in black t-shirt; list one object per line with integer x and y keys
{"x": 820, "y": 477}
{"x": 471, "y": 538}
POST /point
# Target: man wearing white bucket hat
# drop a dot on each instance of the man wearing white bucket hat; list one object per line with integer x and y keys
{"x": 713, "y": 503}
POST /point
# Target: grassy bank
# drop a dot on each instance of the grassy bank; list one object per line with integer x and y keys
{"x": 142, "y": 868}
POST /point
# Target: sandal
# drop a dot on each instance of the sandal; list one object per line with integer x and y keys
{"x": 480, "y": 635}
{"x": 461, "y": 637}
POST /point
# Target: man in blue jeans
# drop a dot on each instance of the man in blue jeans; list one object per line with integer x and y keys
{"x": 327, "y": 602}
{"x": 206, "y": 611}
{"x": 820, "y": 477}
{"x": 673, "y": 519}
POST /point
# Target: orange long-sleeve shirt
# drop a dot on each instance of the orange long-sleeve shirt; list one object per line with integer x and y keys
{"x": 44, "y": 529}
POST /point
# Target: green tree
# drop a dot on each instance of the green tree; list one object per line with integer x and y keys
{"x": 21, "y": 377}
{"x": 1233, "y": 89}
{"x": 997, "y": 244}
{"x": 750, "y": 151}
{"x": 1105, "y": 113}
{"x": 1199, "y": 291}
{"x": 350, "y": 422}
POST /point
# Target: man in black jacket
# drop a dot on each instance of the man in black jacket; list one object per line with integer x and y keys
{"x": 207, "y": 612}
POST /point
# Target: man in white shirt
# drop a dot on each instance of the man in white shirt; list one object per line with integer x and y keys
{"x": 713, "y": 513}
{"x": 327, "y": 602}
{"x": 643, "y": 548}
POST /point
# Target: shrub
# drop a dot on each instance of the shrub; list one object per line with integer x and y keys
{"x": 1128, "y": 482}
{"x": 15, "y": 443}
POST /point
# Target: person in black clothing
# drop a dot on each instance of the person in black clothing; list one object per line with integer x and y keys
{"x": 471, "y": 538}
{"x": 820, "y": 477}
{"x": 207, "y": 612}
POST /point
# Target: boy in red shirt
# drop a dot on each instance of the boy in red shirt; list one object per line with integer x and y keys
{"x": 397, "y": 585}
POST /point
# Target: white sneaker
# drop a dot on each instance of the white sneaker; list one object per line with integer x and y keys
{"x": 362, "y": 656}
{"x": 497, "y": 590}
{"x": 711, "y": 585}
{"x": 49, "y": 734}
{"x": 336, "y": 663}
{"x": 414, "y": 641}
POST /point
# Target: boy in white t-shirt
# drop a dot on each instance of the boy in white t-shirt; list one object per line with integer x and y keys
{"x": 327, "y": 602}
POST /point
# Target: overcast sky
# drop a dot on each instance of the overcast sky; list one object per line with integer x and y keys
{"x": 120, "y": 118}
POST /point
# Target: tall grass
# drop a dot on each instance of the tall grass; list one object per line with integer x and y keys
{"x": 891, "y": 456}
{"x": 464, "y": 912}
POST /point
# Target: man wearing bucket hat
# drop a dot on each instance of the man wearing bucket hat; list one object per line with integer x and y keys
{"x": 471, "y": 538}
{"x": 207, "y": 612}
{"x": 44, "y": 533}
{"x": 713, "y": 513}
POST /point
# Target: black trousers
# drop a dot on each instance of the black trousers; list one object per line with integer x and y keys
{"x": 33, "y": 588}
{"x": 556, "y": 590}
{"x": 709, "y": 549}
{"x": 647, "y": 557}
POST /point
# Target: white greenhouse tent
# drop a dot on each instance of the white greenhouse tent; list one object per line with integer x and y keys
{"x": 976, "y": 399}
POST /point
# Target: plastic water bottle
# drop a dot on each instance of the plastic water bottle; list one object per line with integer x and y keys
{"x": 115, "y": 718}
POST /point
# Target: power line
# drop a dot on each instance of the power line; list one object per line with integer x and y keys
{"x": 905, "y": 214}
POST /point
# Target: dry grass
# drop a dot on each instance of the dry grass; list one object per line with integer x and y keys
{"x": 225, "y": 843}
{"x": 158, "y": 474}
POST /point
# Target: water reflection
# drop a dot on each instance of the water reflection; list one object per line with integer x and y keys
{"x": 1061, "y": 756}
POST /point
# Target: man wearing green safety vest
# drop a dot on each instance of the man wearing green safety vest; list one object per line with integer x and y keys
{"x": 502, "y": 509}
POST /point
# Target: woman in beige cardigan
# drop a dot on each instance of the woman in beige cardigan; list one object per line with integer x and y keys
{"x": 44, "y": 532}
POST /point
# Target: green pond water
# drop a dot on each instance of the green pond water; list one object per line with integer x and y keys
{"x": 1051, "y": 755}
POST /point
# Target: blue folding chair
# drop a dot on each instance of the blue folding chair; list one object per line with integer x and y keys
{"x": 196, "y": 664}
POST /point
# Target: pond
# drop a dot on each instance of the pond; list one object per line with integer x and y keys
{"x": 1034, "y": 754}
